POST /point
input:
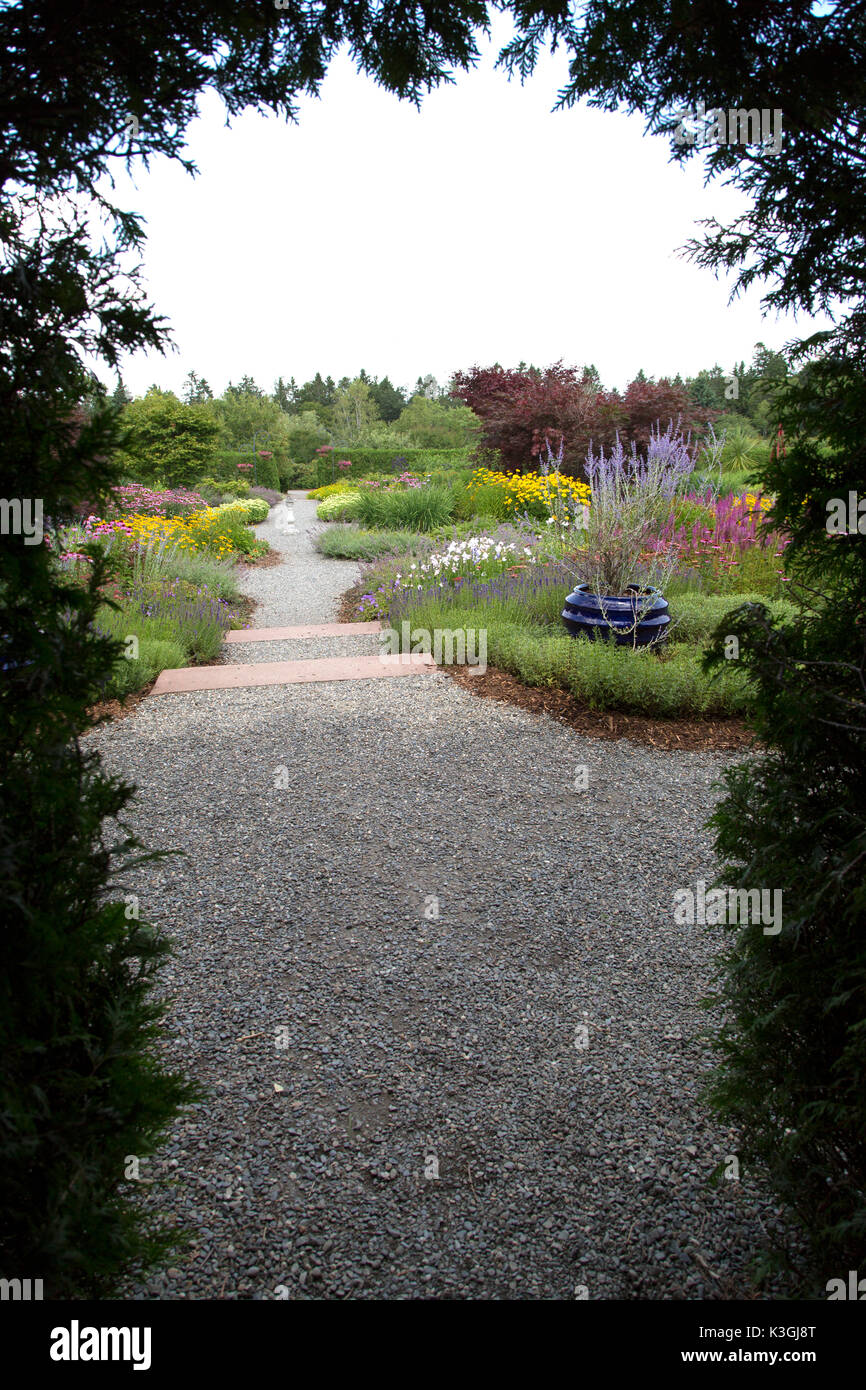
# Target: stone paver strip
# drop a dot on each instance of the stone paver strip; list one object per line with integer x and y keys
{"x": 328, "y": 668}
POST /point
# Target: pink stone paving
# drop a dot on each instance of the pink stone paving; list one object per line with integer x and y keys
{"x": 282, "y": 634}
{"x": 328, "y": 668}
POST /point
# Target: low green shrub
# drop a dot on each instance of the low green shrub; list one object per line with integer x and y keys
{"x": 450, "y": 477}
{"x": 480, "y": 500}
{"x": 688, "y": 512}
{"x": 415, "y": 509}
{"x": 318, "y": 494}
{"x": 666, "y": 683}
{"x": 340, "y": 506}
{"x": 174, "y": 622}
{"x": 212, "y": 494}
{"x": 695, "y": 617}
{"x": 254, "y": 509}
{"x": 155, "y": 654}
{"x": 204, "y": 571}
{"x": 348, "y": 543}
{"x": 231, "y": 487}
{"x": 731, "y": 481}
{"x": 476, "y": 526}
{"x": 229, "y": 528}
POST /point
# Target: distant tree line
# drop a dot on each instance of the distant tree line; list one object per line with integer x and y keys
{"x": 513, "y": 411}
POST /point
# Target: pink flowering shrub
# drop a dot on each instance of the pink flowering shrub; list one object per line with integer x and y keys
{"x": 403, "y": 480}
{"x": 134, "y": 498}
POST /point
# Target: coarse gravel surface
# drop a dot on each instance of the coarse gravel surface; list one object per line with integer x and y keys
{"x": 300, "y": 648}
{"x": 447, "y": 1025}
{"x": 304, "y": 588}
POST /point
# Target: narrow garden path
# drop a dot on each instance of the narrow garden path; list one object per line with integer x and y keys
{"x": 447, "y": 1024}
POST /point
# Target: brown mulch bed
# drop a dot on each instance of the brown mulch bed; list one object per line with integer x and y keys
{"x": 347, "y": 609}
{"x": 111, "y": 710}
{"x": 693, "y": 735}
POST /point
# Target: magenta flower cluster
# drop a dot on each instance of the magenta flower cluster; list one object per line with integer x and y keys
{"x": 134, "y": 498}
{"x": 737, "y": 524}
{"x": 404, "y": 479}
{"x": 95, "y": 526}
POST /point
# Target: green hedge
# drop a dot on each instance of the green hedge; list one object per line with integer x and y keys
{"x": 365, "y": 461}
{"x": 299, "y": 475}
{"x": 267, "y": 471}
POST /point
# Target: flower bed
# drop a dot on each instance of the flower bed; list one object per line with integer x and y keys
{"x": 170, "y": 596}
{"x": 536, "y": 494}
{"x": 731, "y": 548}
{"x": 471, "y": 560}
{"x": 221, "y": 530}
{"x": 631, "y": 524}
{"x": 133, "y": 499}
{"x": 402, "y": 480}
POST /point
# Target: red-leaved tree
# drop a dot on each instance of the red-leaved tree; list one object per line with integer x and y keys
{"x": 647, "y": 404}
{"x": 521, "y": 411}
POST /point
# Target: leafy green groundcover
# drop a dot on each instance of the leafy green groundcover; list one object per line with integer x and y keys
{"x": 352, "y": 543}
{"x": 164, "y": 624}
{"x": 669, "y": 681}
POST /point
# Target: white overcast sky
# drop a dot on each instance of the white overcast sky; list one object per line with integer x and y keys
{"x": 484, "y": 227}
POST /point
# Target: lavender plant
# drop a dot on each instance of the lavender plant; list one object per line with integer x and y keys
{"x": 631, "y": 498}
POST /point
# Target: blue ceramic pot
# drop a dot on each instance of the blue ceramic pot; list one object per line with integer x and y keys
{"x": 598, "y": 615}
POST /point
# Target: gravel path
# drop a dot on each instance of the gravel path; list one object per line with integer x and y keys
{"x": 304, "y": 588}
{"x": 396, "y": 918}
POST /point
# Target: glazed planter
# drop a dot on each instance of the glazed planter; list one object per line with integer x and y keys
{"x": 613, "y": 617}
